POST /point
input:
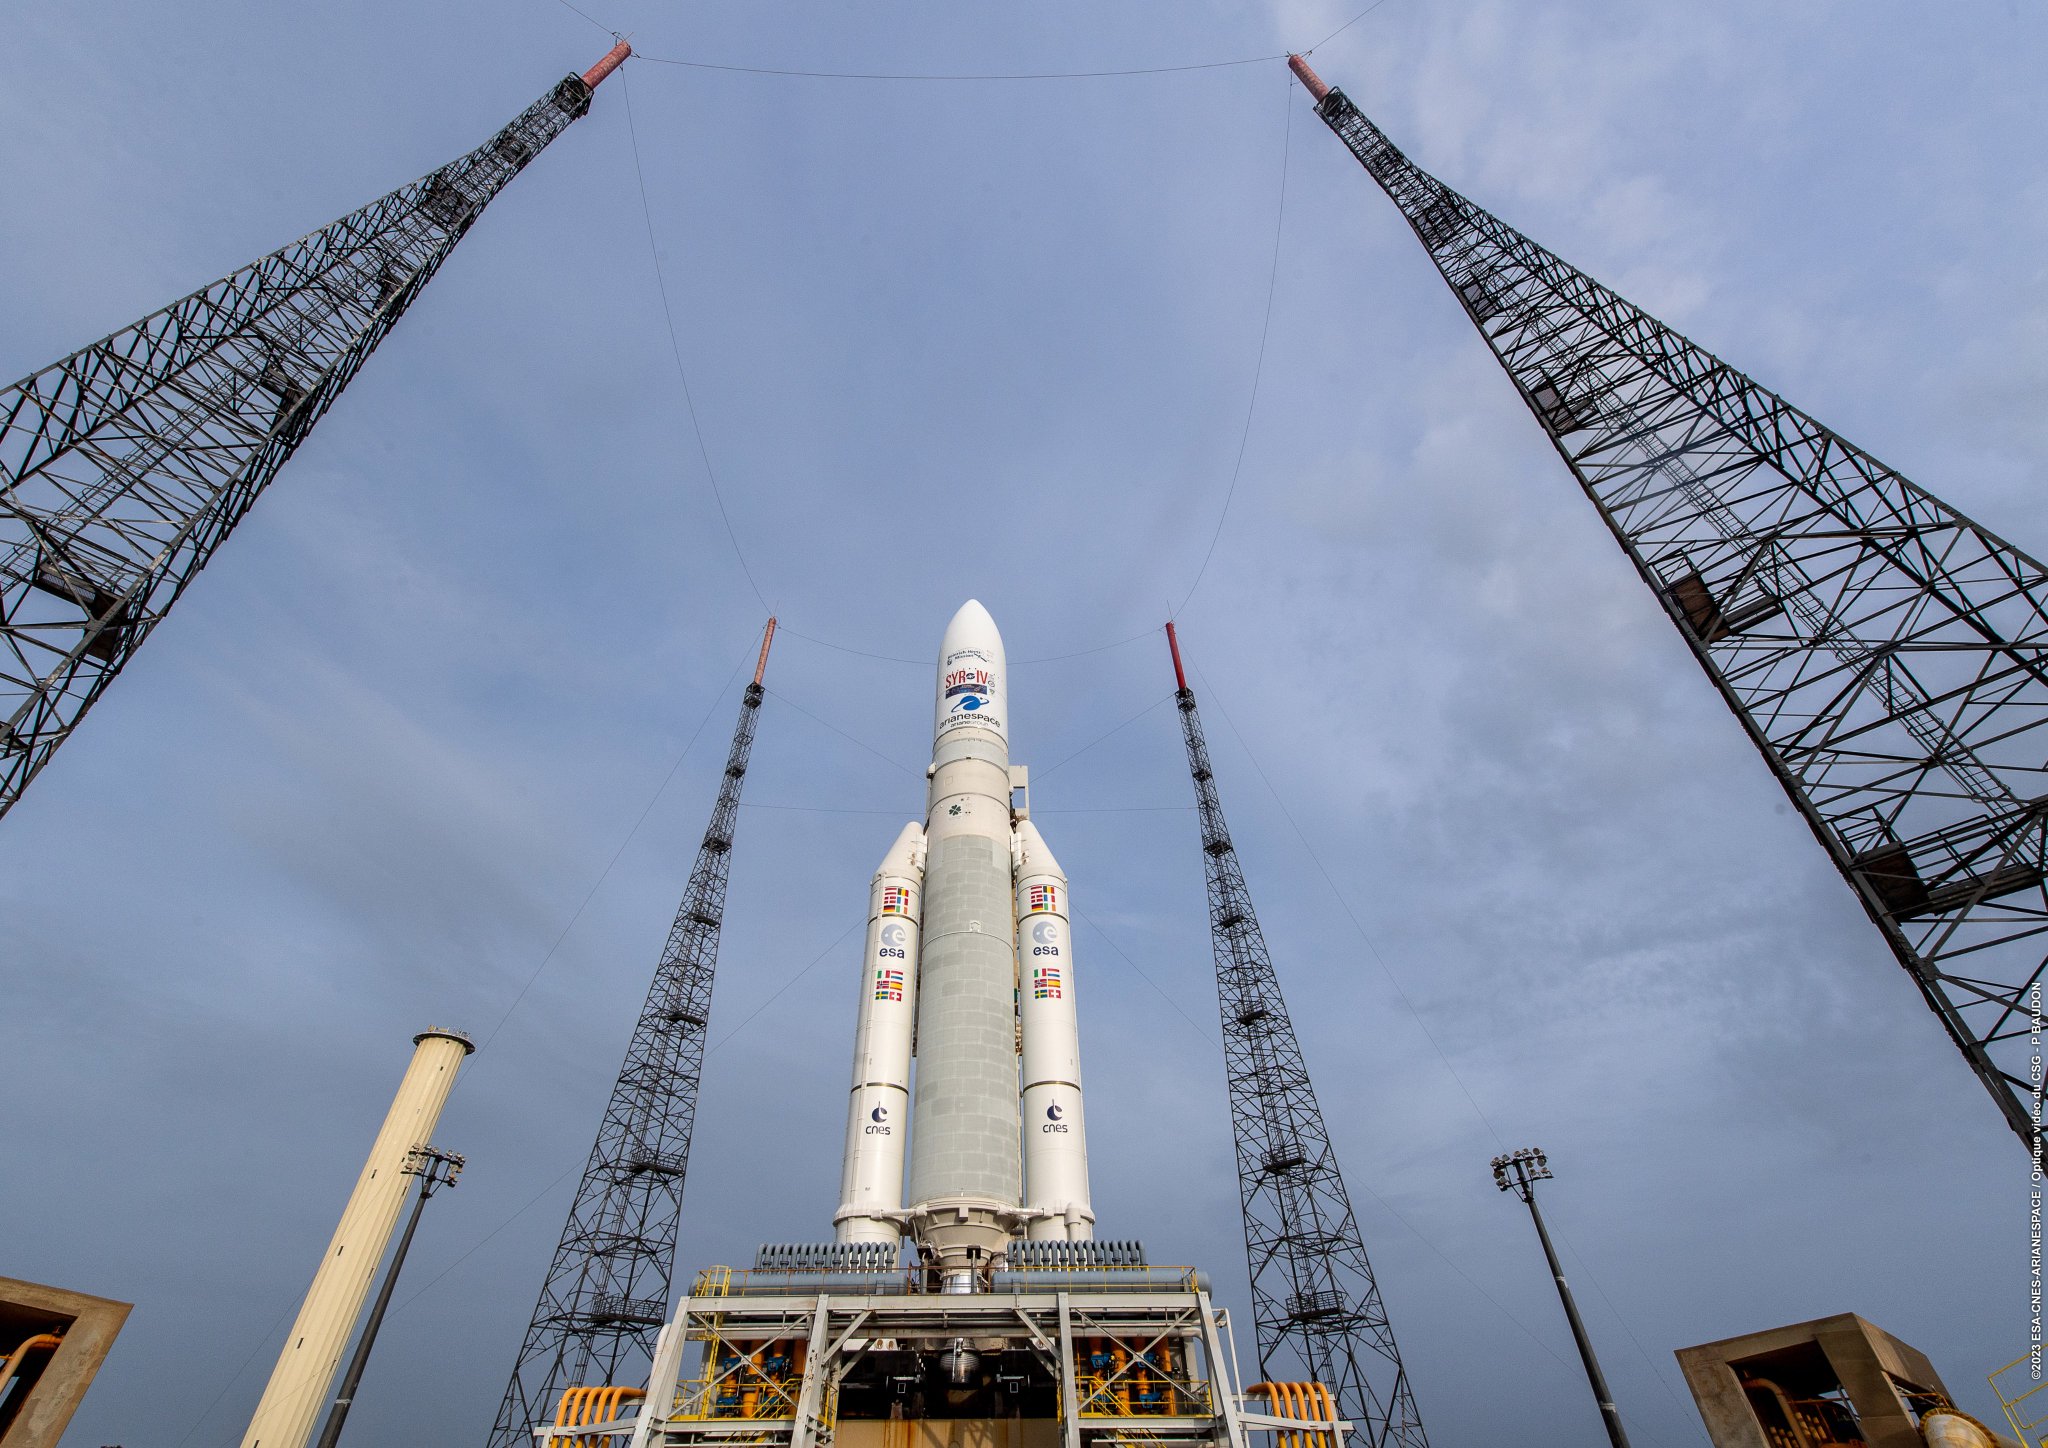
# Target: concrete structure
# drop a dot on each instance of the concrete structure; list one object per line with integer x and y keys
{"x": 52, "y": 1343}
{"x": 1832, "y": 1380}
{"x": 298, "y": 1389}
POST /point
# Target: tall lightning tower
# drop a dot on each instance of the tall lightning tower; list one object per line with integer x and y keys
{"x": 607, "y": 1291}
{"x": 125, "y": 465}
{"x": 1315, "y": 1305}
{"x": 1884, "y": 653}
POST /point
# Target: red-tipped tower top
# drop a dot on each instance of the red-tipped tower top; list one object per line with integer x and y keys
{"x": 613, "y": 59}
{"x": 1308, "y": 78}
{"x": 1173, "y": 642}
{"x": 761, "y": 664}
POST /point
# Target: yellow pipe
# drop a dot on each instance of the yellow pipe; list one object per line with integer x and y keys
{"x": 588, "y": 1407}
{"x": 1329, "y": 1402}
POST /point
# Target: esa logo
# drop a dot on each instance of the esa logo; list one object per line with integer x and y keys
{"x": 894, "y": 938}
{"x": 1045, "y": 938}
{"x": 878, "y": 1121}
{"x": 1053, "y": 1123}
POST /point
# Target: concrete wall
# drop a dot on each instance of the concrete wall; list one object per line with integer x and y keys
{"x": 1859, "y": 1353}
{"x": 88, "y": 1326}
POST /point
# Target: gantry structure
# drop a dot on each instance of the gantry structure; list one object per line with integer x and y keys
{"x": 1884, "y": 653}
{"x": 609, "y": 1285}
{"x": 1316, "y": 1309}
{"x": 124, "y": 466}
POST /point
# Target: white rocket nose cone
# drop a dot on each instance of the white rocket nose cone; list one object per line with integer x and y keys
{"x": 971, "y": 628}
{"x": 973, "y": 683}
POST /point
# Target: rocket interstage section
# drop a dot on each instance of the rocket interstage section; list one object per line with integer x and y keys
{"x": 878, "y": 1116}
{"x": 997, "y": 1147}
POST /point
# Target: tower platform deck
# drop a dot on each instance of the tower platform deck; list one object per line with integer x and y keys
{"x": 1087, "y": 1357}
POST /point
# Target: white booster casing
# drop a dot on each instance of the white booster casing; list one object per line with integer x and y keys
{"x": 878, "y": 1115}
{"x": 965, "y": 1166}
{"x": 1055, "y": 1132}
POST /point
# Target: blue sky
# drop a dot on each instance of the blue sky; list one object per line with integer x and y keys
{"x": 1525, "y": 880}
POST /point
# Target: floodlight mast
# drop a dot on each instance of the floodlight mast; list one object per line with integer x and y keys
{"x": 435, "y": 1168}
{"x": 1518, "y": 1172}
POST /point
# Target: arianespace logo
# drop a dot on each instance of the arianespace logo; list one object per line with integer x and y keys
{"x": 968, "y": 690}
{"x": 968, "y": 694}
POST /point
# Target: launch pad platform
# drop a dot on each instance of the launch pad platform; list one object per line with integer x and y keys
{"x": 1040, "y": 1357}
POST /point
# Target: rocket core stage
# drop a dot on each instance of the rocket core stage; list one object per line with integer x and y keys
{"x": 969, "y": 957}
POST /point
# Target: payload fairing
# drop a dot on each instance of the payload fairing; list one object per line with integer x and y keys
{"x": 969, "y": 966}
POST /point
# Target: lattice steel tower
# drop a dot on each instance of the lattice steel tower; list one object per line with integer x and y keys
{"x": 1884, "y": 652}
{"x": 609, "y": 1287}
{"x": 124, "y": 466}
{"x": 1315, "y": 1305}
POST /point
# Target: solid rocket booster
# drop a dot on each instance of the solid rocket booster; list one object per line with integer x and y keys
{"x": 878, "y": 1116}
{"x": 1055, "y": 1135}
{"x": 965, "y": 1166}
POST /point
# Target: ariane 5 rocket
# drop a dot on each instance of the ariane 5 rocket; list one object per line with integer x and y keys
{"x": 970, "y": 968}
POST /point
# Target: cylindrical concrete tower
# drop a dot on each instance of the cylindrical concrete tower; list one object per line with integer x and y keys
{"x": 299, "y": 1384}
{"x": 878, "y": 1117}
{"x": 965, "y": 1167}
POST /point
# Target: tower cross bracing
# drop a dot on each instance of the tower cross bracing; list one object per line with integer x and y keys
{"x": 1886, "y": 655}
{"x": 611, "y": 1282}
{"x": 1317, "y": 1311}
{"x": 124, "y": 466}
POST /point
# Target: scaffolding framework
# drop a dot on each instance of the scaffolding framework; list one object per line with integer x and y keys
{"x": 608, "y": 1288}
{"x": 857, "y": 1356}
{"x": 1883, "y": 652}
{"x": 1316, "y": 1308}
{"x": 125, "y": 465}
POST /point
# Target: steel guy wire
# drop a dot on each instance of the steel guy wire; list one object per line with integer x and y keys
{"x": 984, "y": 76}
{"x": 566, "y": 5}
{"x": 927, "y": 663}
{"x": 577, "y": 1165}
{"x": 676, "y": 350}
{"x": 1344, "y": 27}
{"x": 1393, "y": 980}
{"x": 1100, "y": 737}
{"x": 1265, "y": 331}
{"x": 610, "y": 864}
{"x": 828, "y": 724}
{"x": 1345, "y": 905}
{"x": 1364, "y": 1185}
